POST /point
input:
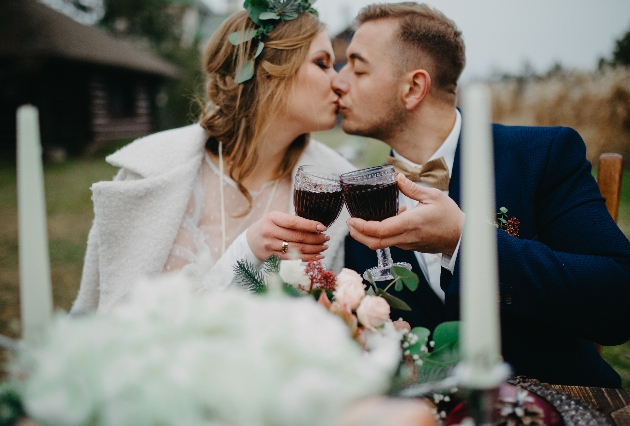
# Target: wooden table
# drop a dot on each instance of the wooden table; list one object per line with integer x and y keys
{"x": 615, "y": 403}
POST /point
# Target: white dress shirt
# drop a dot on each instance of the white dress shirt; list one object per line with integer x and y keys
{"x": 431, "y": 263}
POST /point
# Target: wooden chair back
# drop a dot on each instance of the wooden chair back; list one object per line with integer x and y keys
{"x": 609, "y": 174}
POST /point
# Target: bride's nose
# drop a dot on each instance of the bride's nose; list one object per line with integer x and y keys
{"x": 339, "y": 83}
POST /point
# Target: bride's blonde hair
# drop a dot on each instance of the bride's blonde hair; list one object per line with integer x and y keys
{"x": 238, "y": 114}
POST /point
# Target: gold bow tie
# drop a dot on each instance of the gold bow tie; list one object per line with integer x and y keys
{"x": 434, "y": 172}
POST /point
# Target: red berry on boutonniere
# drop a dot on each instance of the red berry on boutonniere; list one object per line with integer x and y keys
{"x": 509, "y": 224}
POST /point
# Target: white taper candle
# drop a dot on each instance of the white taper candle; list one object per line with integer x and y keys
{"x": 35, "y": 288}
{"x": 480, "y": 329}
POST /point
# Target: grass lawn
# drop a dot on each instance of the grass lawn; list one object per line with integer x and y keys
{"x": 70, "y": 214}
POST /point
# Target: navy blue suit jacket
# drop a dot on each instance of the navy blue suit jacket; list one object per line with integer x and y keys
{"x": 564, "y": 282}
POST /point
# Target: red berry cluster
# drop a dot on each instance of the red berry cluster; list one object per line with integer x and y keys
{"x": 512, "y": 227}
{"x": 320, "y": 278}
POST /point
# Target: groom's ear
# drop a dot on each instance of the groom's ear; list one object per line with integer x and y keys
{"x": 416, "y": 87}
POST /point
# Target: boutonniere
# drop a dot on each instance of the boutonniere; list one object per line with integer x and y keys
{"x": 509, "y": 224}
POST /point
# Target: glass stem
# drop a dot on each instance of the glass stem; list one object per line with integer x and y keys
{"x": 384, "y": 258}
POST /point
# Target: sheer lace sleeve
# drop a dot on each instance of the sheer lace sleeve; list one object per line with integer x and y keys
{"x": 197, "y": 250}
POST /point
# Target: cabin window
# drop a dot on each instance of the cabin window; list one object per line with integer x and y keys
{"x": 122, "y": 98}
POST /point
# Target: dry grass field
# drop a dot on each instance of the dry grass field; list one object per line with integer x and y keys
{"x": 596, "y": 104}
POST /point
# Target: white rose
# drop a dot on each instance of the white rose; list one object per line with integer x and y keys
{"x": 292, "y": 273}
{"x": 350, "y": 289}
{"x": 373, "y": 312}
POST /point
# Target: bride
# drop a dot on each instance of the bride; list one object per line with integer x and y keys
{"x": 201, "y": 197}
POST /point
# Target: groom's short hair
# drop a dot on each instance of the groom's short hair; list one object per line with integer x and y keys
{"x": 435, "y": 40}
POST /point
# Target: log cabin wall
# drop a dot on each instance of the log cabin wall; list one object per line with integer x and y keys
{"x": 82, "y": 106}
{"x": 121, "y": 105}
{"x": 90, "y": 87}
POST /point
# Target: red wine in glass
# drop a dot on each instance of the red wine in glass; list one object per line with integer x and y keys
{"x": 317, "y": 194}
{"x": 372, "y": 194}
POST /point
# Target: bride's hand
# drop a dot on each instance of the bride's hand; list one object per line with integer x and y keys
{"x": 265, "y": 237}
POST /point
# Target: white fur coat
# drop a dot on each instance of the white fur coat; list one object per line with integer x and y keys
{"x": 138, "y": 214}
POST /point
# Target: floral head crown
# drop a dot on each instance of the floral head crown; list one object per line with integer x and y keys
{"x": 266, "y": 14}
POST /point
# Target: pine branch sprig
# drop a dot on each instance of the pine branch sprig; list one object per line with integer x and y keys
{"x": 271, "y": 265}
{"x": 249, "y": 276}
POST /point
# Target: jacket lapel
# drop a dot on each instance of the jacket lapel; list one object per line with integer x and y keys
{"x": 137, "y": 220}
{"x": 453, "y": 188}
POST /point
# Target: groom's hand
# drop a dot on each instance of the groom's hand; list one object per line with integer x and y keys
{"x": 433, "y": 226}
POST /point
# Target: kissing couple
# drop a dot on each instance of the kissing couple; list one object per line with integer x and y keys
{"x": 199, "y": 198}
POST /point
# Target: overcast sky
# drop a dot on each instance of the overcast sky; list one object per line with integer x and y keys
{"x": 501, "y": 35}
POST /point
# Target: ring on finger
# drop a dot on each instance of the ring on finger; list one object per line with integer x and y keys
{"x": 285, "y": 247}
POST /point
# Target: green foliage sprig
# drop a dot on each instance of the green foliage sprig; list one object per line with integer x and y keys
{"x": 430, "y": 361}
{"x": 249, "y": 276}
{"x": 266, "y": 14}
{"x": 402, "y": 278}
{"x": 11, "y": 408}
{"x": 256, "y": 280}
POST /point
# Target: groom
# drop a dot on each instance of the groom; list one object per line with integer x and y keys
{"x": 564, "y": 266}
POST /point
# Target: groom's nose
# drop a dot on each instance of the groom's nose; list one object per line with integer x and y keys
{"x": 340, "y": 81}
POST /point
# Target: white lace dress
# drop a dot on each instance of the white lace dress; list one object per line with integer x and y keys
{"x": 197, "y": 250}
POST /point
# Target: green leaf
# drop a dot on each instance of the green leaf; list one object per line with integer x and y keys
{"x": 289, "y": 16}
{"x": 239, "y": 37}
{"x": 258, "y": 3}
{"x": 292, "y": 291}
{"x": 408, "y": 278}
{"x": 268, "y": 15}
{"x": 394, "y": 302}
{"x": 370, "y": 292}
{"x": 244, "y": 72}
{"x": 502, "y": 220}
{"x": 503, "y": 210}
{"x": 368, "y": 277}
{"x": 445, "y": 334}
{"x": 259, "y": 49}
{"x": 398, "y": 286}
{"x": 439, "y": 364}
{"x": 264, "y": 29}
{"x": 254, "y": 13}
{"x": 423, "y": 337}
{"x": 11, "y": 407}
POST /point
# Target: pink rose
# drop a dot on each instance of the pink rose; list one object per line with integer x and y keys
{"x": 348, "y": 276}
{"x": 373, "y": 312}
{"x": 350, "y": 289}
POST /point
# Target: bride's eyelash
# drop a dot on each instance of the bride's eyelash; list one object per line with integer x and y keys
{"x": 322, "y": 64}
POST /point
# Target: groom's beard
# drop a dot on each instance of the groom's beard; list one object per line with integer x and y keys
{"x": 384, "y": 127}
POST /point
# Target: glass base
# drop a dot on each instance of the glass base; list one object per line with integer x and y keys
{"x": 384, "y": 273}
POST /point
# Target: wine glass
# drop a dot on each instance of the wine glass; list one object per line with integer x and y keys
{"x": 372, "y": 194}
{"x": 317, "y": 194}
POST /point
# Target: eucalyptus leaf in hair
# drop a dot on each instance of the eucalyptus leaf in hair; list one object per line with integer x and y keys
{"x": 239, "y": 37}
{"x": 244, "y": 72}
{"x": 259, "y": 50}
{"x": 266, "y": 14}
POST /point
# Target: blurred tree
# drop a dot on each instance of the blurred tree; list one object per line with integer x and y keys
{"x": 157, "y": 24}
{"x": 621, "y": 54}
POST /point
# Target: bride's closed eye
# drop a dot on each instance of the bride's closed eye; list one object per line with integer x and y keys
{"x": 323, "y": 63}
{"x": 323, "y": 60}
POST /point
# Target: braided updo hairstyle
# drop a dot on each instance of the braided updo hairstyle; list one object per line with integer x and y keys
{"x": 239, "y": 114}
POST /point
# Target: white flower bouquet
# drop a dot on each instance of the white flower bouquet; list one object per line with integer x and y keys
{"x": 365, "y": 312}
{"x": 173, "y": 356}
